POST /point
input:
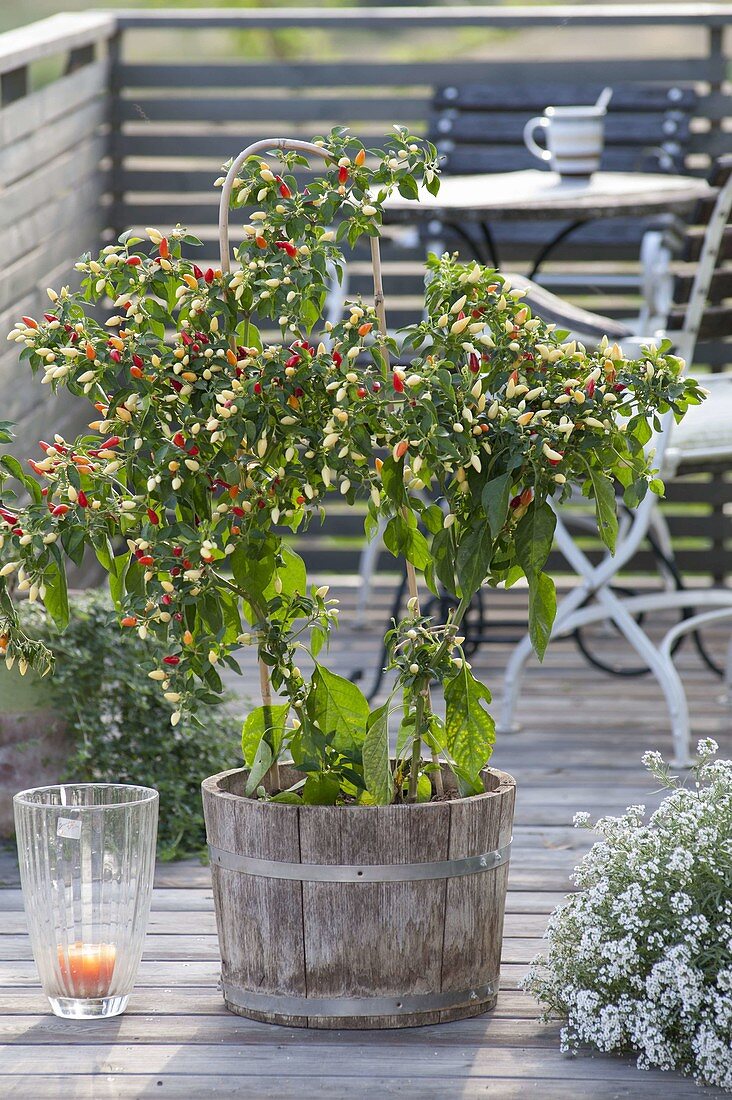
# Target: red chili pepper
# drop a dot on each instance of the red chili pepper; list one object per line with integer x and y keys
{"x": 197, "y": 271}
{"x": 30, "y": 322}
{"x": 285, "y": 190}
{"x": 153, "y": 516}
{"x": 136, "y": 372}
{"x": 146, "y": 559}
{"x": 108, "y": 444}
{"x": 193, "y": 451}
{"x": 60, "y": 510}
{"x": 342, "y": 174}
{"x": 179, "y": 439}
{"x": 398, "y": 384}
{"x": 36, "y": 468}
{"x": 210, "y": 275}
{"x": 361, "y": 391}
{"x": 257, "y": 388}
{"x": 134, "y": 261}
{"x": 292, "y": 361}
{"x": 129, "y": 620}
{"x": 177, "y": 386}
{"x": 186, "y": 338}
{"x": 238, "y": 511}
{"x": 173, "y": 660}
{"x": 515, "y": 502}
{"x": 261, "y": 242}
{"x": 9, "y": 517}
{"x": 473, "y": 362}
{"x": 49, "y": 317}
{"x": 138, "y": 361}
{"x": 337, "y": 358}
{"x": 376, "y": 386}
{"x": 82, "y": 500}
{"x": 166, "y": 599}
{"x": 175, "y": 571}
{"x": 115, "y": 356}
{"x": 177, "y": 551}
{"x": 163, "y": 248}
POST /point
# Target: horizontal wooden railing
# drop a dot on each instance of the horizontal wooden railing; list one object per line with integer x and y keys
{"x": 53, "y": 144}
{"x": 133, "y": 134}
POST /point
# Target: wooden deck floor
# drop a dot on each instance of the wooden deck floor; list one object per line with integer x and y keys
{"x": 580, "y": 749}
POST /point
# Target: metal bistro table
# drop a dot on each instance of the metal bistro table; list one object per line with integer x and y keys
{"x": 536, "y": 195}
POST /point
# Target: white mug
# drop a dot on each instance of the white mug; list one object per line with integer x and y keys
{"x": 574, "y": 139}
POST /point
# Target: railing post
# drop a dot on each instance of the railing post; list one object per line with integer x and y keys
{"x": 13, "y": 85}
{"x": 116, "y": 189}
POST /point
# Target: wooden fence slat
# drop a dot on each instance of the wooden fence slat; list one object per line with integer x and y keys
{"x": 411, "y": 74}
{"x": 59, "y": 33}
{"x": 59, "y": 98}
{"x": 343, "y": 110}
{"x": 24, "y": 156}
{"x": 69, "y": 170}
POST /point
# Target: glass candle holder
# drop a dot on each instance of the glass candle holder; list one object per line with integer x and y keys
{"x": 87, "y": 858}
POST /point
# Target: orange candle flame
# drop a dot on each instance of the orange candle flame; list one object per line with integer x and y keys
{"x": 87, "y": 968}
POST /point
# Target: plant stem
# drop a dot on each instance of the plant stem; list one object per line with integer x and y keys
{"x": 266, "y": 689}
{"x": 416, "y": 745}
{"x": 380, "y": 307}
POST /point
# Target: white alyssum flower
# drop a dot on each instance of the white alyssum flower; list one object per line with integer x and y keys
{"x": 640, "y": 957}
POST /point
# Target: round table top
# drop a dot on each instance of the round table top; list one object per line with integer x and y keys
{"x": 534, "y": 194}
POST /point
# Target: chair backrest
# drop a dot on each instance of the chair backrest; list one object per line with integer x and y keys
{"x": 702, "y": 295}
{"x": 479, "y": 127}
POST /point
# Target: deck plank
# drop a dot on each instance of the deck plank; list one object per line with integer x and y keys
{"x": 580, "y": 746}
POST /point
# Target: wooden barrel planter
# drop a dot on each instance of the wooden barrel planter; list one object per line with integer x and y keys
{"x": 363, "y": 916}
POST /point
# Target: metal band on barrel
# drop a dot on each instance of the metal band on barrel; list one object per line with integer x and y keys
{"x": 365, "y": 872}
{"x": 285, "y": 1005}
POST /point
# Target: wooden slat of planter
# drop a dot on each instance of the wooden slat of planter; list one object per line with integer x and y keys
{"x": 61, "y": 97}
{"x": 264, "y": 951}
{"x": 474, "y": 904}
{"x": 373, "y": 938}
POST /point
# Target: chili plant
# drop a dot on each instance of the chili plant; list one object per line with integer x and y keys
{"x": 209, "y": 445}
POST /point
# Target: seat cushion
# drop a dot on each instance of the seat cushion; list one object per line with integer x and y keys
{"x": 704, "y": 436}
{"x": 583, "y": 325}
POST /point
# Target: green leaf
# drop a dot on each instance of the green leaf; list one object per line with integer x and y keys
{"x": 251, "y": 572}
{"x": 292, "y": 574}
{"x": 495, "y": 499}
{"x": 339, "y": 708}
{"x": 534, "y": 537}
{"x": 375, "y": 752}
{"x": 605, "y": 507}
{"x": 542, "y": 611}
{"x": 56, "y": 599}
{"x": 321, "y": 790}
{"x": 392, "y": 479}
{"x": 16, "y": 470}
{"x": 473, "y": 559}
{"x": 266, "y": 723}
{"x": 260, "y": 766}
{"x": 400, "y": 537}
{"x": 469, "y": 729}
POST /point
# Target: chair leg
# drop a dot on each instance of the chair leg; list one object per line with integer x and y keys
{"x": 520, "y": 655}
{"x": 664, "y": 670}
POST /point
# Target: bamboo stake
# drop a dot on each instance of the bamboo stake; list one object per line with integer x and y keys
{"x": 263, "y": 146}
{"x": 412, "y": 586}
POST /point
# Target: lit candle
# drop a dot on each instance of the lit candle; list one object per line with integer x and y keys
{"x": 87, "y": 968}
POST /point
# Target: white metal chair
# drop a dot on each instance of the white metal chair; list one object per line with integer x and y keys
{"x": 704, "y": 436}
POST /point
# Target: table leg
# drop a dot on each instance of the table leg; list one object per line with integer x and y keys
{"x": 549, "y": 247}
